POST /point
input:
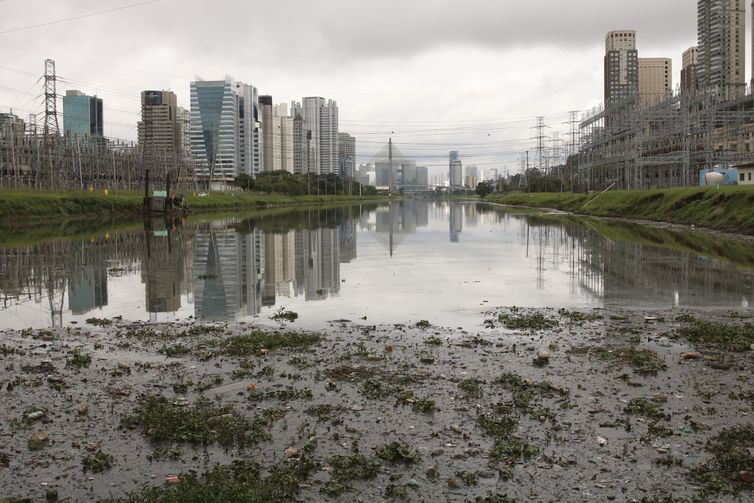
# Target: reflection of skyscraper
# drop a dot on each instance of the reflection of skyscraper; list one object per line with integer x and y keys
{"x": 347, "y": 240}
{"x": 317, "y": 262}
{"x": 87, "y": 289}
{"x": 455, "y": 221}
{"x": 162, "y": 271}
{"x": 227, "y": 268}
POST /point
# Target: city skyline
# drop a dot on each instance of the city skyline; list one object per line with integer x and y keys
{"x": 372, "y": 106}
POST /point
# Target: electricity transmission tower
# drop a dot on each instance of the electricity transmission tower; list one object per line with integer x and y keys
{"x": 541, "y": 150}
{"x": 51, "y": 127}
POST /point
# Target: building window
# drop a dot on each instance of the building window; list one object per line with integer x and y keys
{"x": 741, "y": 177}
{"x": 749, "y": 175}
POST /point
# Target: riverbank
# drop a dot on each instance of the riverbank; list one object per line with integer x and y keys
{"x": 44, "y": 205}
{"x": 729, "y": 209}
{"x": 520, "y": 405}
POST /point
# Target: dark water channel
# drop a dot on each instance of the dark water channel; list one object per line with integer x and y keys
{"x": 445, "y": 262}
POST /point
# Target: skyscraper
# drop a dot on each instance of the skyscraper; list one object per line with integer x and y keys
{"x": 347, "y": 154}
{"x": 82, "y": 114}
{"x": 455, "y": 170}
{"x": 302, "y": 139}
{"x": 271, "y": 160}
{"x": 621, "y": 65}
{"x": 285, "y": 136}
{"x": 184, "y": 121}
{"x": 225, "y": 136}
{"x": 322, "y": 117}
{"x": 689, "y": 79}
{"x": 655, "y": 80}
{"x": 159, "y": 129}
{"x": 722, "y": 31}
{"x": 277, "y": 130}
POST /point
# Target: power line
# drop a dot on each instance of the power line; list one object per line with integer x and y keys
{"x": 82, "y": 16}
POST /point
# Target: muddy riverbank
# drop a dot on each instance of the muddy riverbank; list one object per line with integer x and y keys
{"x": 520, "y": 405}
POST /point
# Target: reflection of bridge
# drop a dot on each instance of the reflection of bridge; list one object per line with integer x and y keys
{"x": 399, "y": 219}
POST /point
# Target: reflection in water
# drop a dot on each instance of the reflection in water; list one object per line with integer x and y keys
{"x": 231, "y": 269}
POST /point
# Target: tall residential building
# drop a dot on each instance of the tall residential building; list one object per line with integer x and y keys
{"x": 302, "y": 150}
{"x": 270, "y": 160}
{"x": 472, "y": 177}
{"x": 184, "y": 121}
{"x": 250, "y": 129}
{"x": 225, "y": 129}
{"x": 347, "y": 155}
{"x": 655, "y": 80}
{"x": 322, "y": 117}
{"x": 689, "y": 79}
{"x": 722, "y": 31}
{"x": 285, "y": 136}
{"x": 277, "y": 130}
{"x": 82, "y": 114}
{"x": 621, "y": 65}
{"x": 159, "y": 129}
{"x": 456, "y": 174}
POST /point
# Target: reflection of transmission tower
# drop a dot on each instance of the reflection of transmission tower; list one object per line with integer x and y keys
{"x": 51, "y": 127}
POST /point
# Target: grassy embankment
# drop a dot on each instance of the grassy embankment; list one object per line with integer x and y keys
{"x": 729, "y": 209}
{"x": 45, "y": 205}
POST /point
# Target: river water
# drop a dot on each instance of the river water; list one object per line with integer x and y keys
{"x": 441, "y": 261}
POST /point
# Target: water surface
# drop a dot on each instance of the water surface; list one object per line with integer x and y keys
{"x": 442, "y": 261}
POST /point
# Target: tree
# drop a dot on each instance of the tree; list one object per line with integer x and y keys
{"x": 485, "y": 188}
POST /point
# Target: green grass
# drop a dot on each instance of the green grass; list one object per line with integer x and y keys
{"x": 395, "y": 452}
{"x": 642, "y": 361}
{"x": 730, "y": 209}
{"x": 731, "y": 455}
{"x": 254, "y": 342}
{"x": 161, "y": 420}
{"x": 239, "y": 481}
{"x": 38, "y": 205}
{"x": 346, "y": 469}
{"x": 718, "y": 335}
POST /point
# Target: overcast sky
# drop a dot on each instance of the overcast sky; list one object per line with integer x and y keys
{"x": 435, "y": 74}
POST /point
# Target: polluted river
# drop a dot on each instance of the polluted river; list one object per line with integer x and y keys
{"x": 421, "y": 350}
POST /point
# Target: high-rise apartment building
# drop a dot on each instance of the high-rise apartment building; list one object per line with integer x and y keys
{"x": 302, "y": 150}
{"x": 347, "y": 154}
{"x": 271, "y": 160}
{"x": 184, "y": 121}
{"x": 689, "y": 79}
{"x": 655, "y": 80}
{"x": 277, "y": 129}
{"x": 250, "y": 129}
{"x": 322, "y": 117}
{"x": 621, "y": 65}
{"x": 159, "y": 129}
{"x": 284, "y": 136}
{"x": 722, "y": 31}
{"x": 225, "y": 129}
{"x": 82, "y": 114}
{"x": 456, "y": 174}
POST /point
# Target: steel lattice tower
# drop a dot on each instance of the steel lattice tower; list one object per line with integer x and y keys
{"x": 51, "y": 126}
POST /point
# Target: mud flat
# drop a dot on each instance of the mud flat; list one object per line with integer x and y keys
{"x": 536, "y": 405}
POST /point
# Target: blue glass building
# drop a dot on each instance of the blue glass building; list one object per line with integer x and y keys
{"x": 82, "y": 115}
